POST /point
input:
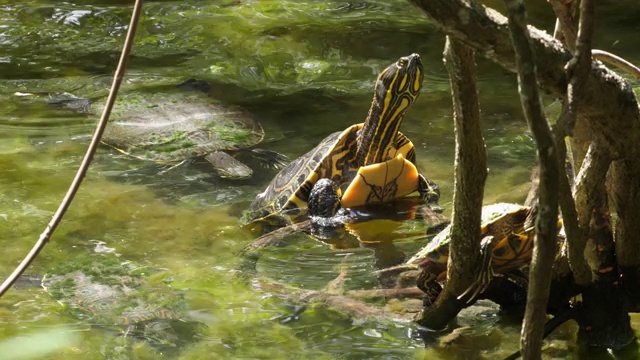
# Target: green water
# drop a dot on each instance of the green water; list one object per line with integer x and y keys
{"x": 305, "y": 70}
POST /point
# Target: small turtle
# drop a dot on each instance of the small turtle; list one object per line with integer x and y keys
{"x": 178, "y": 124}
{"x": 506, "y": 245}
{"x": 368, "y": 163}
{"x": 108, "y": 292}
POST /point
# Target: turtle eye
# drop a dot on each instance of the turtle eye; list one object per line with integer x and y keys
{"x": 402, "y": 62}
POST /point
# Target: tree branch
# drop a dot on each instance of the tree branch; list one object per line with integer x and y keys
{"x": 565, "y": 13}
{"x": 546, "y": 224}
{"x": 470, "y": 175}
{"x": 609, "y": 103}
{"x": 576, "y": 238}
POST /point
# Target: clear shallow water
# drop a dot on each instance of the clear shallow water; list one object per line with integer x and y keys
{"x": 304, "y": 70}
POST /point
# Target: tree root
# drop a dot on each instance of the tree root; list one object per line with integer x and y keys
{"x": 331, "y": 297}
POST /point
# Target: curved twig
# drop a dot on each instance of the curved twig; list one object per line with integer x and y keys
{"x": 82, "y": 170}
{"x": 617, "y": 61}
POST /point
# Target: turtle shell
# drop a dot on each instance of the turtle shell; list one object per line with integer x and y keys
{"x": 285, "y": 198}
{"x": 172, "y": 126}
{"x": 501, "y": 220}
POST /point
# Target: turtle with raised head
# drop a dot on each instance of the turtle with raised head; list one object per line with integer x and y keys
{"x": 368, "y": 163}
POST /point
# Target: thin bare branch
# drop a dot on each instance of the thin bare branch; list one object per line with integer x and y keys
{"x": 575, "y": 236}
{"x": 86, "y": 161}
{"x": 617, "y": 61}
{"x": 565, "y": 22}
{"x": 579, "y": 67}
{"x": 546, "y": 223}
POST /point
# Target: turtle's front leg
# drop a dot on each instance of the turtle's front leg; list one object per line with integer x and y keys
{"x": 324, "y": 199}
{"x": 428, "y": 190}
{"x": 485, "y": 273}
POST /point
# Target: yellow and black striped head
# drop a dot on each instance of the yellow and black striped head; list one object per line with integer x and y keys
{"x": 400, "y": 80}
{"x": 396, "y": 88}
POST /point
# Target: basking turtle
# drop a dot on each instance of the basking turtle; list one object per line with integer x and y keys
{"x": 368, "y": 163}
{"x": 178, "y": 124}
{"x": 105, "y": 291}
{"x": 507, "y": 244}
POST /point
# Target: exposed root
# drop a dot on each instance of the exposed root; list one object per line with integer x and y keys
{"x": 275, "y": 236}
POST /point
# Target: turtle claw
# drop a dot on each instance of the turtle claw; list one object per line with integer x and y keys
{"x": 431, "y": 292}
{"x": 485, "y": 275}
{"x": 477, "y": 287}
{"x": 428, "y": 190}
{"x": 271, "y": 159}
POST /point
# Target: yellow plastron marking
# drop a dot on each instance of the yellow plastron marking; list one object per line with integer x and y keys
{"x": 382, "y": 182}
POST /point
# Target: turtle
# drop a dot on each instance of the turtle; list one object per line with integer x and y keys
{"x": 367, "y": 163}
{"x": 506, "y": 244}
{"x": 106, "y": 291}
{"x": 177, "y": 124}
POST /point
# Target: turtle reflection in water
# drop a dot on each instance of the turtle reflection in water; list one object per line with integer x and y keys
{"x": 107, "y": 292}
{"x": 179, "y": 124}
{"x": 370, "y": 163}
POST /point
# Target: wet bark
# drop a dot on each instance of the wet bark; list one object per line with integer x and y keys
{"x": 546, "y": 224}
{"x": 624, "y": 188}
{"x": 470, "y": 175}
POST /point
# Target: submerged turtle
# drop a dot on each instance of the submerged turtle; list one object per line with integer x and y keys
{"x": 182, "y": 123}
{"x": 507, "y": 244}
{"x": 105, "y": 291}
{"x": 368, "y": 163}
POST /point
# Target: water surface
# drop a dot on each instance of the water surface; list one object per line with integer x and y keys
{"x": 304, "y": 70}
